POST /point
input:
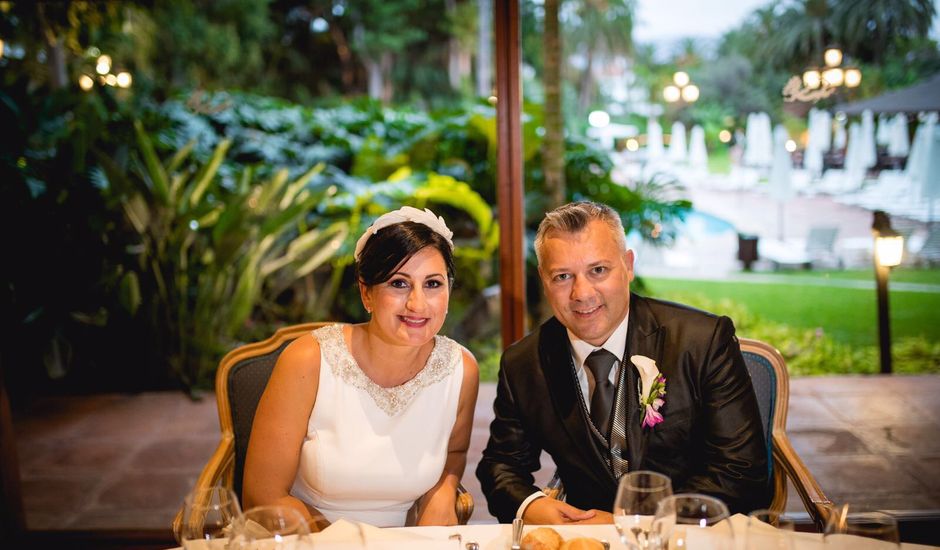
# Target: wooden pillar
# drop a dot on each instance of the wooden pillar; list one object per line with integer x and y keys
{"x": 509, "y": 171}
{"x": 12, "y": 517}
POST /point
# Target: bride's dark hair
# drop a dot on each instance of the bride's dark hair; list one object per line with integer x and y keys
{"x": 392, "y": 246}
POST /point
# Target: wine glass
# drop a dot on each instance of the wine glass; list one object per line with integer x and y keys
{"x": 638, "y": 494}
{"x": 271, "y": 528}
{"x": 208, "y": 514}
{"x": 691, "y": 520}
{"x": 770, "y": 530}
{"x": 862, "y": 530}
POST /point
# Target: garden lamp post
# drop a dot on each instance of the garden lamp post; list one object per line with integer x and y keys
{"x": 832, "y": 74}
{"x": 889, "y": 247}
{"x": 682, "y": 89}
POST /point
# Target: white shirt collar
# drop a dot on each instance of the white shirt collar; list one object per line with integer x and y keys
{"x": 616, "y": 344}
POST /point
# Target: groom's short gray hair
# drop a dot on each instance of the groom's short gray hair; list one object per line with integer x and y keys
{"x": 574, "y": 217}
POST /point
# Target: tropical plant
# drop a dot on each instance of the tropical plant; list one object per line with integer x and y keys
{"x": 356, "y": 203}
{"x": 206, "y": 246}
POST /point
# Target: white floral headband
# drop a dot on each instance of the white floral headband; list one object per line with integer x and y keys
{"x": 406, "y": 214}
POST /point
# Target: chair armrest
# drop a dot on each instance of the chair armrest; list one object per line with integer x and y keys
{"x": 464, "y": 505}
{"x": 814, "y": 500}
{"x": 218, "y": 471}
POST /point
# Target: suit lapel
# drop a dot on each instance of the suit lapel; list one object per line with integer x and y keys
{"x": 555, "y": 358}
{"x": 644, "y": 337}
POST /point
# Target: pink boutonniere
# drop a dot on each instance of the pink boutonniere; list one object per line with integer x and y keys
{"x": 652, "y": 389}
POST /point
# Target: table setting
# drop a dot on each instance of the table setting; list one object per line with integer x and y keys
{"x": 647, "y": 516}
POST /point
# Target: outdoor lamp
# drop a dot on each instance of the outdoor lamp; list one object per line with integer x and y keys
{"x": 104, "y": 65}
{"x": 812, "y": 79}
{"x": 833, "y": 56}
{"x": 833, "y": 76}
{"x": 889, "y": 247}
{"x": 681, "y": 78}
{"x": 124, "y": 79}
{"x": 671, "y": 94}
{"x": 85, "y": 82}
{"x": 690, "y": 93}
{"x": 853, "y": 77}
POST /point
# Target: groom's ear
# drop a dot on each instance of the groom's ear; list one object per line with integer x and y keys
{"x": 628, "y": 260}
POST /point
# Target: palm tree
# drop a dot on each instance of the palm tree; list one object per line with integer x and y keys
{"x": 869, "y": 27}
{"x": 598, "y": 28}
{"x": 553, "y": 145}
{"x": 800, "y": 34}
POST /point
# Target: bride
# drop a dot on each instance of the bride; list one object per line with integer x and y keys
{"x": 365, "y": 421}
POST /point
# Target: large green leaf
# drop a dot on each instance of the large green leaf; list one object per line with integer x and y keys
{"x": 155, "y": 171}
{"x": 297, "y": 186}
{"x": 205, "y": 176}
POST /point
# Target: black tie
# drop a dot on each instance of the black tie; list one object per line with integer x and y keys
{"x": 600, "y": 362}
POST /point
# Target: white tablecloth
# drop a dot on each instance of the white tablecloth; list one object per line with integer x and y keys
{"x": 497, "y": 537}
{"x": 344, "y": 535}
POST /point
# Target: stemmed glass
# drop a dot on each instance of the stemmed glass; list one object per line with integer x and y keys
{"x": 681, "y": 521}
{"x": 770, "y": 530}
{"x": 638, "y": 495}
{"x": 208, "y": 515}
{"x": 270, "y": 528}
{"x": 862, "y": 530}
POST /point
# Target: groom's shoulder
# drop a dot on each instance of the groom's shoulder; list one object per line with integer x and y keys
{"x": 666, "y": 311}
{"x": 527, "y": 348}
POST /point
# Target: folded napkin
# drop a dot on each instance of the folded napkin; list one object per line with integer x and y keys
{"x": 346, "y": 531}
{"x": 254, "y": 530}
{"x": 348, "y": 535}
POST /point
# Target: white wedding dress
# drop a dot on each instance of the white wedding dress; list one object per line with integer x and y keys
{"x": 370, "y": 451}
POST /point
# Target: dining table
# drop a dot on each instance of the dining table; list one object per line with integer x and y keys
{"x": 493, "y": 536}
{"x": 346, "y": 535}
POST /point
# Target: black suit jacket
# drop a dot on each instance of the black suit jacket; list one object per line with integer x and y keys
{"x": 710, "y": 440}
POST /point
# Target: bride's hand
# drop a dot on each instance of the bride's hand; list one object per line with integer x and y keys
{"x": 438, "y": 506}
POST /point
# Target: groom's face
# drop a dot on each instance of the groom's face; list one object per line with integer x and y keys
{"x": 586, "y": 277}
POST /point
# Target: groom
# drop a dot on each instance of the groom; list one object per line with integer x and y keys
{"x": 586, "y": 388}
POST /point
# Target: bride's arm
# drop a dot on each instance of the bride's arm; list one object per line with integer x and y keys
{"x": 278, "y": 430}
{"x": 437, "y": 506}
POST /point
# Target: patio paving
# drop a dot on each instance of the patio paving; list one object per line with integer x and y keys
{"x": 125, "y": 461}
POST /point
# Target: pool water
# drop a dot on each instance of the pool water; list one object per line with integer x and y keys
{"x": 703, "y": 222}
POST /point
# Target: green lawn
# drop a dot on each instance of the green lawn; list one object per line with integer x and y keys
{"x": 900, "y": 275}
{"x": 719, "y": 161}
{"x": 848, "y": 315}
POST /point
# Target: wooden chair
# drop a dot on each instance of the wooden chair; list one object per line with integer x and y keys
{"x": 771, "y": 383}
{"x": 242, "y": 376}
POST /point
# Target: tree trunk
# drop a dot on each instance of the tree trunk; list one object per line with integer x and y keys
{"x": 55, "y": 60}
{"x": 553, "y": 146}
{"x": 347, "y": 71}
{"x": 58, "y": 73}
{"x": 374, "y": 72}
{"x": 453, "y": 49}
{"x": 586, "y": 85}
{"x": 485, "y": 49}
{"x": 386, "y": 61}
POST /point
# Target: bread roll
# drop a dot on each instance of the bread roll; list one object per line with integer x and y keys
{"x": 542, "y": 538}
{"x": 582, "y": 543}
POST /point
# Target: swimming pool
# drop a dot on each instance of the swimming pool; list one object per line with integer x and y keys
{"x": 696, "y": 223}
{"x": 703, "y": 222}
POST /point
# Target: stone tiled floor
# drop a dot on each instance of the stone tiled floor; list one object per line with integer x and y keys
{"x": 125, "y": 462}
